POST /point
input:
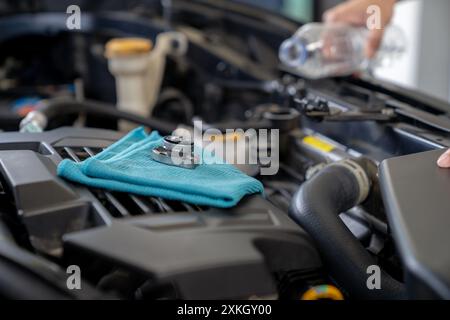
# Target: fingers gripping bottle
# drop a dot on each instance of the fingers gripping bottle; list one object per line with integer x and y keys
{"x": 319, "y": 50}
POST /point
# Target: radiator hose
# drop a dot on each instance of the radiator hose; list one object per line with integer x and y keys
{"x": 316, "y": 207}
{"x": 50, "y": 109}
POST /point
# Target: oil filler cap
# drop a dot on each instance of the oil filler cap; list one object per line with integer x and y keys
{"x": 176, "y": 151}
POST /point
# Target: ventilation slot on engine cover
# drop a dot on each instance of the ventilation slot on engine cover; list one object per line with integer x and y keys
{"x": 121, "y": 204}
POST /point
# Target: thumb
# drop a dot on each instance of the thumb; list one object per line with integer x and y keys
{"x": 373, "y": 42}
{"x": 444, "y": 160}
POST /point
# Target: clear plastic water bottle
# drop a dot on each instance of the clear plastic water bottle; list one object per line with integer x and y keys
{"x": 320, "y": 50}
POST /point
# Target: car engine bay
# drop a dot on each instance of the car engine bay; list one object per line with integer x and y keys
{"x": 333, "y": 208}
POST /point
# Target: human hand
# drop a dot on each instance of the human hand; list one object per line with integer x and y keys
{"x": 354, "y": 12}
{"x": 444, "y": 160}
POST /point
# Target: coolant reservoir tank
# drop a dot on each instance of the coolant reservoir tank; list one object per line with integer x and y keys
{"x": 139, "y": 67}
{"x": 128, "y": 62}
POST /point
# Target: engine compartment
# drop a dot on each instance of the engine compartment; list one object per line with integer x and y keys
{"x": 136, "y": 247}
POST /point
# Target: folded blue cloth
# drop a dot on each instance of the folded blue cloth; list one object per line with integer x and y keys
{"x": 127, "y": 166}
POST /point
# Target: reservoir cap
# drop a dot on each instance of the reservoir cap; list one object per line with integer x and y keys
{"x": 118, "y": 47}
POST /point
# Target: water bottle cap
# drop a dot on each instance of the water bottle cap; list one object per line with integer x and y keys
{"x": 293, "y": 52}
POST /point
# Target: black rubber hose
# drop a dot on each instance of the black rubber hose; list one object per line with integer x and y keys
{"x": 316, "y": 207}
{"x": 9, "y": 121}
{"x": 58, "y": 107}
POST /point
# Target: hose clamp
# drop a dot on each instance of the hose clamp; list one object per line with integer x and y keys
{"x": 34, "y": 121}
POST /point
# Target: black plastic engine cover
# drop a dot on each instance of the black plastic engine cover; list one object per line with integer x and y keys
{"x": 203, "y": 252}
{"x": 416, "y": 194}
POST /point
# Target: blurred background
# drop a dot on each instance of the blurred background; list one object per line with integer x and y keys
{"x": 424, "y": 67}
{"x": 426, "y": 64}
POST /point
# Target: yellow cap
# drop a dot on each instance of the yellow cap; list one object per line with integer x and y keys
{"x": 327, "y": 292}
{"x": 127, "y": 46}
{"x": 235, "y": 136}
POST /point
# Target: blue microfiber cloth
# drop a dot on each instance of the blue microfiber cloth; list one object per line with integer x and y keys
{"x": 127, "y": 166}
